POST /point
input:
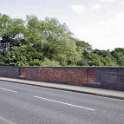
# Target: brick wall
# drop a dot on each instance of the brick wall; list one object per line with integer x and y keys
{"x": 67, "y": 75}
{"x": 111, "y": 78}
{"x": 9, "y": 71}
{"x": 103, "y": 77}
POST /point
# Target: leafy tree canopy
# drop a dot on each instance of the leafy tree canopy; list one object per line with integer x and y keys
{"x": 35, "y": 42}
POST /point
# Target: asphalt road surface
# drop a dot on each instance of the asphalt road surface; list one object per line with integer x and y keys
{"x": 26, "y": 104}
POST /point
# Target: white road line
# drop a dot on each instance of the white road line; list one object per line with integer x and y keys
{"x": 5, "y": 121}
{"x": 9, "y": 90}
{"x": 65, "y": 103}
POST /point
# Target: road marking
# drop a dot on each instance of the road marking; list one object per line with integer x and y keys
{"x": 5, "y": 121}
{"x": 9, "y": 90}
{"x": 65, "y": 103}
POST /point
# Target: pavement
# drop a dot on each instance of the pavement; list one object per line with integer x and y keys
{"x": 30, "y": 104}
{"x": 87, "y": 90}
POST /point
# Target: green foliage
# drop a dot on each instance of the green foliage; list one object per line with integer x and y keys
{"x": 51, "y": 63}
{"x": 45, "y": 63}
{"x": 118, "y": 56}
{"x": 47, "y": 42}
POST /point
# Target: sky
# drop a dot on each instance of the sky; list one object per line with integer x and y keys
{"x": 99, "y": 22}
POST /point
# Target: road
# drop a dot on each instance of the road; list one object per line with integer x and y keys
{"x": 26, "y": 104}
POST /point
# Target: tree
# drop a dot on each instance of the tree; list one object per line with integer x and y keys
{"x": 118, "y": 56}
{"x": 5, "y": 23}
{"x": 100, "y": 58}
{"x": 50, "y": 43}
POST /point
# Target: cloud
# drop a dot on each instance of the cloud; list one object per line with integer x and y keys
{"x": 79, "y": 9}
{"x": 102, "y": 22}
{"x": 96, "y": 6}
{"x": 111, "y": 1}
{"x": 122, "y": 2}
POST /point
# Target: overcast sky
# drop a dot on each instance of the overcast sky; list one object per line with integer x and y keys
{"x": 99, "y": 22}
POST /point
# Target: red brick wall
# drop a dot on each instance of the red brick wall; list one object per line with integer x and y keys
{"x": 91, "y": 73}
{"x": 103, "y": 77}
{"x": 67, "y": 75}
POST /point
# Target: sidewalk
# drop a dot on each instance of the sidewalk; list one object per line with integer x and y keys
{"x": 94, "y": 91}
